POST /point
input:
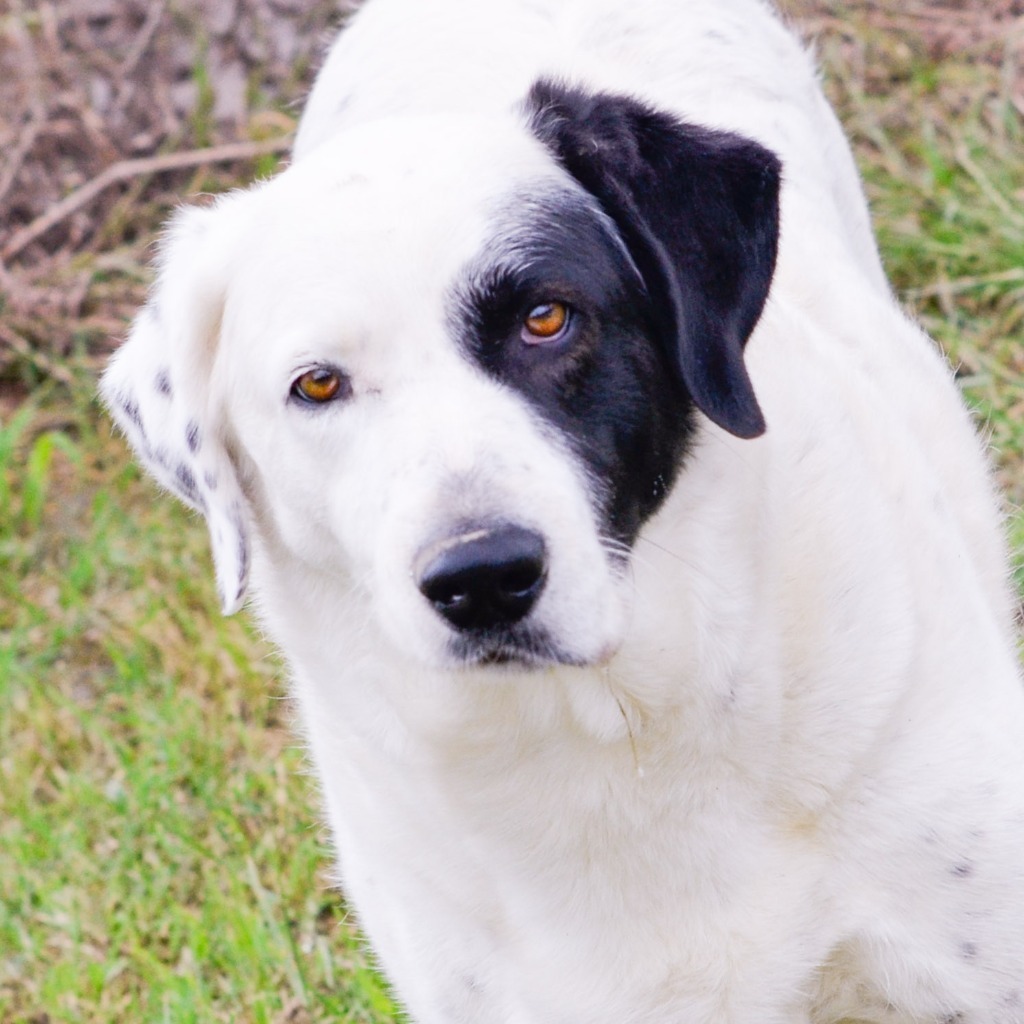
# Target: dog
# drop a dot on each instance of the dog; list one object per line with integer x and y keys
{"x": 639, "y": 572}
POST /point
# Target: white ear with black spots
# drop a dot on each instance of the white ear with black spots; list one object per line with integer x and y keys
{"x": 698, "y": 211}
{"x": 157, "y": 386}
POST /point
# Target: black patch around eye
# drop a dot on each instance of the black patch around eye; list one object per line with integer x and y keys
{"x": 607, "y": 386}
{"x": 698, "y": 211}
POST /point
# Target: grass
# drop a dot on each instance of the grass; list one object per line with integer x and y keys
{"x": 940, "y": 146}
{"x": 159, "y": 853}
{"x": 159, "y": 858}
{"x": 941, "y": 151}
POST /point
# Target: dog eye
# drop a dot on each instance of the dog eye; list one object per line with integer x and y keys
{"x": 547, "y": 322}
{"x": 320, "y": 385}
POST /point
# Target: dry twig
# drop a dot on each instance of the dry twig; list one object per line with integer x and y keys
{"x": 125, "y": 170}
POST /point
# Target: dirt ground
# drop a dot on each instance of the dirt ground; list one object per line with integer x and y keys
{"x": 111, "y": 111}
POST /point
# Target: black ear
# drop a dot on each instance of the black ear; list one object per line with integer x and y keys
{"x": 698, "y": 211}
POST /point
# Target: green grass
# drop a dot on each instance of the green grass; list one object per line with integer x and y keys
{"x": 159, "y": 855}
{"x": 160, "y": 858}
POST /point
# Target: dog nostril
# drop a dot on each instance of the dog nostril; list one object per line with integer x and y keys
{"x": 520, "y": 580}
{"x": 445, "y": 594}
{"x": 485, "y": 579}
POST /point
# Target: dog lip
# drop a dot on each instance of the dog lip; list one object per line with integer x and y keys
{"x": 503, "y": 653}
{"x": 502, "y": 657}
{"x": 525, "y": 649}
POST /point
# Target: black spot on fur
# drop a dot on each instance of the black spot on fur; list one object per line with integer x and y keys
{"x": 963, "y": 869}
{"x": 130, "y": 408}
{"x": 192, "y": 436}
{"x": 698, "y": 210}
{"x": 163, "y": 384}
{"x": 210, "y": 479}
{"x": 968, "y": 950}
{"x": 187, "y": 484}
{"x": 243, "y": 556}
{"x": 471, "y": 983}
{"x": 238, "y": 523}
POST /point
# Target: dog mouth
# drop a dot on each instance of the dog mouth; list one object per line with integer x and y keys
{"x": 510, "y": 649}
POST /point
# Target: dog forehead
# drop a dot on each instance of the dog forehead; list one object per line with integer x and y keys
{"x": 379, "y": 225}
{"x": 420, "y": 191}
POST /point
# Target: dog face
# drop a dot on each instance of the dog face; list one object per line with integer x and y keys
{"x": 453, "y": 366}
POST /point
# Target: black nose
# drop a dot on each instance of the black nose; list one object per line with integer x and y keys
{"x": 486, "y": 578}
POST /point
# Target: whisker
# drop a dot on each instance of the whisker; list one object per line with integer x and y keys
{"x": 666, "y": 551}
{"x": 629, "y": 727}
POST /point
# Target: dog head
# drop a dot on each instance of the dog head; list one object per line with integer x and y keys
{"x": 450, "y": 367}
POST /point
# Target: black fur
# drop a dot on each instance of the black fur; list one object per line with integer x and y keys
{"x": 698, "y": 210}
{"x": 666, "y": 265}
{"x": 607, "y": 385}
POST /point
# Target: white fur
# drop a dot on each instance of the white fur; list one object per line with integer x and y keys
{"x": 789, "y": 787}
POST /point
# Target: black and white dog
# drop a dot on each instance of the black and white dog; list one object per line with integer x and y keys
{"x": 638, "y": 568}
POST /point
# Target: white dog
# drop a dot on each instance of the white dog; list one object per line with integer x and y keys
{"x": 638, "y": 569}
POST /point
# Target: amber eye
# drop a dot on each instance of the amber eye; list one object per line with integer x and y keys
{"x": 321, "y": 385}
{"x": 546, "y": 322}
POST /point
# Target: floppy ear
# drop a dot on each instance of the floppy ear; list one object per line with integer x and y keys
{"x": 698, "y": 211}
{"x": 157, "y": 386}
